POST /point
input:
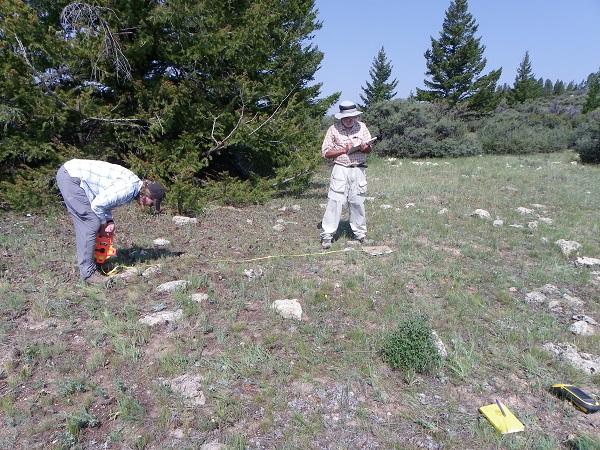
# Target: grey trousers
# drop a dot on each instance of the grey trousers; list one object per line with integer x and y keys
{"x": 85, "y": 221}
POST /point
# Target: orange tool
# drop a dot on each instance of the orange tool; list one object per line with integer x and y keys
{"x": 104, "y": 248}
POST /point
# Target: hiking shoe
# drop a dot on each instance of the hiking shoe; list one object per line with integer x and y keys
{"x": 96, "y": 279}
{"x": 325, "y": 244}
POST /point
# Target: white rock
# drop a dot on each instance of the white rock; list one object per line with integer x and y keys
{"x": 283, "y": 208}
{"x": 189, "y": 387}
{"x": 443, "y": 211}
{"x": 524, "y": 211}
{"x": 481, "y": 213}
{"x": 288, "y": 308}
{"x": 585, "y": 261}
{"x": 512, "y": 289}
{"x": 572, "y": 301}
{"x": 171, "y": 286}
{"x": 568, "y": 353}
{"x": 584, "y": 318}
{"x": 568, "y": 247}
{"x": 532, "y": 225}
{"x": 151, "y": 271}
{"x": 385, "y": 206}
{"x": 161, "y": 317}
{"x": 516, "y": 225}
{"x": 550, "y": 289}
{"x": 498, "y": 223}
{"x": 573, "y": 163}
{"x": 582, "y": 328}
{"x": 370, "y": 199}
{"x": 546, "y": 220}
{"x": 296, "y": 208}
{"x": 254, "y": 273}
{"x": 439, "y": 344}
{"x": 322, "y": 205}
{"x": 278, "y": 227}
{"x": 182, "y": 220}
{"x": 199, "y": 297}
{"x": 377, "y": 250}
{"x": 538, "y": 206}
{"x": 128, "y": 273}
{"x": 161, "y": 243}
{"x": 391, "y": 159}
{"x": 409, "y": 205}
{"x": 535, "y": 297}
{"x": 249, "y": 221}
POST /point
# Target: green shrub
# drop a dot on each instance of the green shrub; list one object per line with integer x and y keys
{"x": 515, "y": 131}
{"x": 408, "y": 128}
{"x": 411, "y": 347}
{"x": 588, "y": 138}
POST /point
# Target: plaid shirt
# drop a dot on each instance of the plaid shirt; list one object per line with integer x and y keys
{"x": 338, "y": 136}
{"x": 106, "y": 185}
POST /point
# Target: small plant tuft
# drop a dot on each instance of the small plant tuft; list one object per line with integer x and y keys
{"x": 410, "y": 347}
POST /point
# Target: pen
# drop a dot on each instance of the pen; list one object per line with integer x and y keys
{"x": 501, "y": 408}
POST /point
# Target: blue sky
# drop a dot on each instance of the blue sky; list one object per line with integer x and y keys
{"x": 562, "y": 37}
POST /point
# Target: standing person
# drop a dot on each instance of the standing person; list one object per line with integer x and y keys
{"x": 346, "y": 143}
{"x": 91, "y": 189}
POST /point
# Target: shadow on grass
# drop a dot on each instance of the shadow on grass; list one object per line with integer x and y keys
{"x": 136, "y": 255}
{"x": 343, "y": 231}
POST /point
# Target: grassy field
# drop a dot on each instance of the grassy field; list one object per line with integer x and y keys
{"x": 80, "y": 371}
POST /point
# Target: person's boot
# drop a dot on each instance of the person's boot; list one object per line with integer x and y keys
{"x": 325, "y": 243}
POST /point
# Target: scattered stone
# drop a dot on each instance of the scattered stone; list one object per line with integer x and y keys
{"x": 512, "y": 289}
{"x": 573, "y": 163}
{"x": 189, "y": 387}
{"x": 377, "y": 250}
{"x": 568, "y": 247}
{"x": 162, "y": 317}
{"x": 161, "y": 243}
{"x": 582, "y": 328}
{"x": 392, "y": 159}
{"x": 324, "y": 205}
{"x": 296, "y": 208}
{"x": 128, "y": 273}
{"x": 535, "y": 297}
{"x": 278, "y": 227}
{"x": 439, "y": 344}
{"x": 182, "y": 220}
{"x": 283, "y": 209}
{"x": 199, "y": 297}
{"x": 481, "y": 213}
{"x": 498, "y": 223}
{"x": 546, "y": 220}
{"x": 538, "y": 206}
{"x": 585, "y": 261}
{"x": 288, "y": 308}
{"x": 385, "y": 206}
{"x": 443, "y": 211}
{"x": 524, "y": 211}
{"x": 249, "y": 221}
{"x": 151, "y": 271}
{"x": 568, "y": 353}
{"x": 532, "y": 225}
{"x": 409, "y": 205}
{"x": 172, "y": 286}
{"x": 550, "y": 289}
{"x": 584, "y": 318}
{"x": 213, "y": 446}
{"x": 574, "y": 302}
{"x": 254, "y": 273}
{"x": 517, "y": 225}
{"x": 510, "y": 189}
{"x": 370, "y": 199}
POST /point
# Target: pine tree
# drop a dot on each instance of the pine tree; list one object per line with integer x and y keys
{"x": 526, "y": 86}
{"x": 455, "y": 62}
{"x": 548, "y": 88}
{"x": 592, "y": 100}
{"x": 559, "y": 87}
{"x": 186, "y": 92}
{"x": 379, "y": 89}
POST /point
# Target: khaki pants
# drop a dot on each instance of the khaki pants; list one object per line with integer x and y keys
{"x": 347, "y": 184}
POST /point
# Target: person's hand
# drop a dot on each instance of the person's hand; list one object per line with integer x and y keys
{"x": 364, "y": 147}
{"x": 107, "y": 229}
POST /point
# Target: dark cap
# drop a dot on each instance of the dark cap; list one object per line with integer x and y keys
{"x": 156, "y": 192}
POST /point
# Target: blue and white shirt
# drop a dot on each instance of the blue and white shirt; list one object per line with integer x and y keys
{"x": 106, "y": 185}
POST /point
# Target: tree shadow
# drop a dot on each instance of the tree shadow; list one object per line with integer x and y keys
{"x": 315, "y": 190}
{"x": 135, "y": 255}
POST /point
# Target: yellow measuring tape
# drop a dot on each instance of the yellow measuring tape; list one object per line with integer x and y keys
{"x": 298, "y": 255}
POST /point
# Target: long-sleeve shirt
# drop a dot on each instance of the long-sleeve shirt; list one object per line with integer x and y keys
{"x": 105, "y": 185}
{"x": 338, "y": 136}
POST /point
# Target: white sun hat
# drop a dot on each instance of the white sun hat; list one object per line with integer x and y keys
{"x": 347, "y": 109}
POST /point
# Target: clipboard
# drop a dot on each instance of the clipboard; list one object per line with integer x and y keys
{"x": 501, "y": 418}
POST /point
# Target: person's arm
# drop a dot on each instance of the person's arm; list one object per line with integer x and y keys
{"x": 330, "y": 148}
{"x": 117, "y": 194}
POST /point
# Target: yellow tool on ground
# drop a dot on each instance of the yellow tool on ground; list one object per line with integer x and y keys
{"x": 104, "y": 248}
{"x": 501, "y": 418}
{"x": 582, "y": 400}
